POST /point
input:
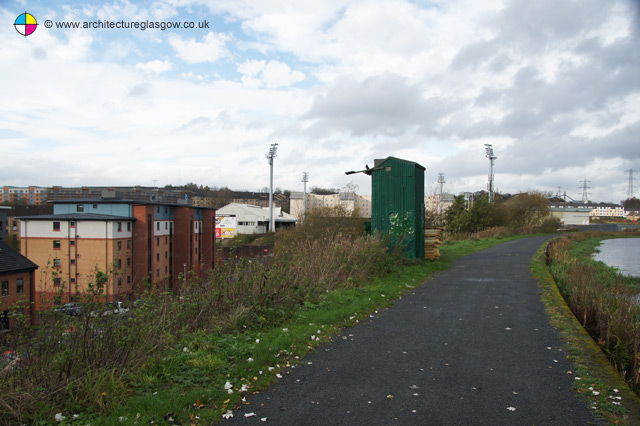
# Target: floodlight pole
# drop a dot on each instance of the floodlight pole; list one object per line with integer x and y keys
{"x": 489, "y": 153}
{"x": 270, "y": 156}
{"x": 441, "y": 181}
{"x": 305, "y": 179}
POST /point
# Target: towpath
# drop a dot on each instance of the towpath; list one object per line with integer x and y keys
{"x": 472, "y": 346}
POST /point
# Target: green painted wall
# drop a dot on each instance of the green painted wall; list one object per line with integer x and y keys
{"x": 397, "y": 202}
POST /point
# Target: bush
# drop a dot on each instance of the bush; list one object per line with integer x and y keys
{"x": 84, "y": 363}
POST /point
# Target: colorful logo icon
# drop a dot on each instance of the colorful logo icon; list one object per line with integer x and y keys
{"x": 25, "y": 24}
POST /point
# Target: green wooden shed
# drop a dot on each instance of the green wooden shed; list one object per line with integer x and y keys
{"x": 397, "y": 203}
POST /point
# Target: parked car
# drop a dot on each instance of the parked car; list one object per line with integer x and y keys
{"x": 73, "y": 309}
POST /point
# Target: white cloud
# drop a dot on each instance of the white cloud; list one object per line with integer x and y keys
{"x": 272, "y": 75}
{"x": 154, "y": 67}
{"x": 210, "y": 49}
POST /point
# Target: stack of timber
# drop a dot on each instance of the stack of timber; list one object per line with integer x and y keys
{"x": 432, "y": 241}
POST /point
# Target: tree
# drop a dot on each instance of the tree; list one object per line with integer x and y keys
{"x": 481, "y": 216}
{"x": 631, "y": 204}
{"x": 525, "y": 210}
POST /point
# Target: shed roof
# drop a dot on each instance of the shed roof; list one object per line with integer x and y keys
{"x": 380, "y": 161}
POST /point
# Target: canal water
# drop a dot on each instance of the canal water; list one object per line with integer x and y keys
{"x": 621, "y": 253}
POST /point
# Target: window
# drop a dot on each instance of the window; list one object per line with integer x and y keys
{"x": 157, "y": 256}
{"x": 128, "y": 279}
{"x": 72, "y": 242}
{"x": 166, "y": 226}
{"x": 128, "y": 261}
{"x": 157, "y": 226}
{"x": 56, "y": 226}
{"x": 80, "y": 208}
{"x": 128, "y": 243}
{"x": 119, "y": 245}
{"x": 72, "y": 261}
{"x": 57, "y": 281}
{"x": 95, "y": 206}
{"x": 72, "y": 224}
{"x": 19, "y": 286}
{"x": 119, "y": 263}
{"x": 157, "y": 272}
{"x": 119, "y": 226}
{"x": 56, "y": 263}
{"x": 4, "y": 287}
{"x": 165, "y": 269}
{"x": 166, "y": 240}
{"x": 56, "y": 244}
{"x": 157, "y": 241}
{"x": 128, "y": 226}
{"x": 166, "y": 255}
{"x": 119, "y": 282}
{"x": 72, "y": 280}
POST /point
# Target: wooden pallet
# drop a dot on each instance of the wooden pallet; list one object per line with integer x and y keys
{"x": 432, "y": 241}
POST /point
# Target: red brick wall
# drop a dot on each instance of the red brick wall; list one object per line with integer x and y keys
{"x": 9, "y": 301}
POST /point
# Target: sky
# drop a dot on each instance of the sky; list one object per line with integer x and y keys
{"x": 552, "y": 85}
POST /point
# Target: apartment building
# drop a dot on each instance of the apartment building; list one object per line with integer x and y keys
{"x": 24, "y": 194}
{"x": 595, "y": 210}
{"x": 136, "y": 243}
{"x": 348, "y": 200}
{"x": 260, "y": 199}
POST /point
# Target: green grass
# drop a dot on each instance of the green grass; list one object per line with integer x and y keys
{"x": 187, "y": 384}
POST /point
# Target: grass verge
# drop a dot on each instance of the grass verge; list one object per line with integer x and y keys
{"x": 595, "y": 378}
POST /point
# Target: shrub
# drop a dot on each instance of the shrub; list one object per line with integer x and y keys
{"x": 83, "y": 363}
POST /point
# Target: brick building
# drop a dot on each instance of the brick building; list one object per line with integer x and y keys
{"x": 137, "y": 243}
{"x": 16, "y": 284}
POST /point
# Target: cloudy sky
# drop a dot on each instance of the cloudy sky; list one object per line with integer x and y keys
{"x": 553, "y": 85}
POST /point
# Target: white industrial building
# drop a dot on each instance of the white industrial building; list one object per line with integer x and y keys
{"x": 571, "y": 215}
{"x": 255, "y": 219}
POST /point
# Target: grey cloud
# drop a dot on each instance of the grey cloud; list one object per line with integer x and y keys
{"x": 385, "y": 104}
{"x": 140, "y": 89}
{"x": 195, "y": 123}
{"x": 39, "y": 53}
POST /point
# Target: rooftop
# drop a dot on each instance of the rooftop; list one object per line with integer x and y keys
{"x": 12, "y": 262}
{"x": 78, "y": 217}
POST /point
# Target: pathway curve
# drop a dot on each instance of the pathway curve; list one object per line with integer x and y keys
{"x": 472, "y": 346}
